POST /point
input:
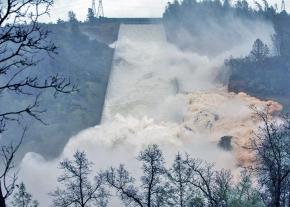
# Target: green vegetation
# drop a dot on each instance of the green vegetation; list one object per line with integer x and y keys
{"x": 259, "y": 73}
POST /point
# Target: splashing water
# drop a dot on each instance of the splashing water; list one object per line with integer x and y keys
{"x": 157, "y": 94}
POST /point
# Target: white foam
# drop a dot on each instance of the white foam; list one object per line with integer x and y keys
{"x": 151, "y": 85}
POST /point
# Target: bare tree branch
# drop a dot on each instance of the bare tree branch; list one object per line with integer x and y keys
{"x": 23, "y": 42}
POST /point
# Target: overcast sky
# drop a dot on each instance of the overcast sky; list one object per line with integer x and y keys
{"x": 118, "y": 8}
{"x": 112, "y": 8}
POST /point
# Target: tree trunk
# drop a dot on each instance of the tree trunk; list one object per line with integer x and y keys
{"x": 277, "y": 197}
{"x": 2, "y": 200}
{"x": 289, "y": 196}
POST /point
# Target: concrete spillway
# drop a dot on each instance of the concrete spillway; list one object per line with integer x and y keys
{"x": 137, "y": 85}
{"x": 153, "y": 79}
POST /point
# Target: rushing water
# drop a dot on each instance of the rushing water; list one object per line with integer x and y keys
{"x": 156, "y": 94}
{"x": 149, "y": 74}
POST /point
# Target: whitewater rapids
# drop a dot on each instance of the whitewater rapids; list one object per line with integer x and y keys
{"x": 152, "y": 79}
{"x": 158, "y": 94}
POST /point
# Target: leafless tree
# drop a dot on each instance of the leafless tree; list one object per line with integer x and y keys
{"x": 120, "y": 180}
{"x": 78, "y": 189}
{"x": 22, "y": 41}
{"x": 8, "y": 176}
{"x": 153, "y": 191}
{"x": 271, "y": 149}
{"x": 214, "y": 185}
{"x": 22, "y": 198}
{"x": 244, "y": 194}
{"x": 179, "y": 176}
{"x": 197, "y": 183}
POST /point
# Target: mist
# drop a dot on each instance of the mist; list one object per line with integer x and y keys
{"x": 160, "y": 93}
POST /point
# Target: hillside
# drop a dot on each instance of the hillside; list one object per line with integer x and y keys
{"x": 85, "y": 57}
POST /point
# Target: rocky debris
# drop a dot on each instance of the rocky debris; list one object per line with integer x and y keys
{"x": 204, "y": 119}
{"x": 226, "y": 143}
{"x": 214, "y": 114}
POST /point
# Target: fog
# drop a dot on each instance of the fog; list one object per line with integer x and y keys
{"x": 87, "y": 63}
{"x": 159, "y": 93}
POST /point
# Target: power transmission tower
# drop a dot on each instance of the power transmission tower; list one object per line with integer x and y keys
{"x": 94, "y": 7}
{"x": 100, "y": 9}
{"x": 283, "y": 7}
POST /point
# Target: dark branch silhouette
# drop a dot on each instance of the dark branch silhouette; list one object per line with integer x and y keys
{"x": 23, "y": 41}
{"x": 78, "y": 188}
{"x": 271, "y": 149}
{"x": 8, "y": 176}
